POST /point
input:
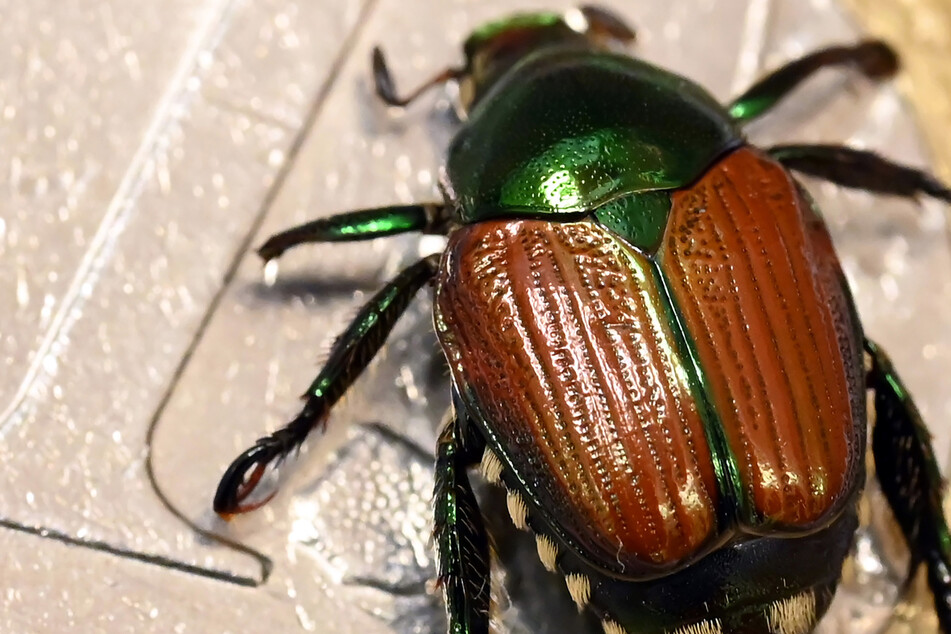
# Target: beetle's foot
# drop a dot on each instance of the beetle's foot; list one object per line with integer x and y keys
{"x": 274, "y": 247}
{"x": 877, "y": 60}
{"x": 383, "y": 80}
{"x": 242, "y": 478}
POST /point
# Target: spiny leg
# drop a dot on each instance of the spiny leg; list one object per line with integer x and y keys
{"x": 349, "y": 356}
{"x": 386, "y": 89}
{"x": 362, "y": 224}
{"x": 909, "y": 477}
{"x": 462, "y": 545}
{"x": 873, "y": 58}
{"x": 860, "y": 169}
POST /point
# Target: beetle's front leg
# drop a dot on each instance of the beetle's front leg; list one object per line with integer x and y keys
{"x": 350, "y": 355}
{"x": 386, "y": 89}
{"x": 909, "y": 477}
{"x": 875, "y": 59}
{"x": 362, "y": 224}
{"x": 462, "y": 546}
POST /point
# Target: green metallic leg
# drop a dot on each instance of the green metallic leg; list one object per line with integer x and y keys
{"x": 860, "y": 169}
{"x": 874, "y": 59}
{"x": 350, "y": 355}
{"x": 909, "y": 477}
{"x": 386, "y": 89}
{"x": 462, "y": 545}
{"x": 363, "y": 224}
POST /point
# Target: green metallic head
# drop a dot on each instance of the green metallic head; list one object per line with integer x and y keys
{"x": 492, "y": 49}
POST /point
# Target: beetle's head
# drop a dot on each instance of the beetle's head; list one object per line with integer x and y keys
{"x": 497, "y": 46}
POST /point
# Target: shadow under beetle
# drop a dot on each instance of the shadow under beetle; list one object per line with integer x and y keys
{"x": 651, "y": 341}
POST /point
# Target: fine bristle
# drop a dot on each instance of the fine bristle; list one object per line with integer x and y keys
{"x": 795, "y": 615}
{"x": 579, "y": 587}
{"x": 547, "y": 552}
{"x": 612, "y": 627}
{"x": 517, "y": 510}
{"x": 491, "y": 467}
{"x": 704, "y": 627}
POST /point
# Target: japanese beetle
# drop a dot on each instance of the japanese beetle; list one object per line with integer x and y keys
{"x": 651, "y": 341}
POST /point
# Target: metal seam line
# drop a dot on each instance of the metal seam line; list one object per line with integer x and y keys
{"x": 269, "y": 198}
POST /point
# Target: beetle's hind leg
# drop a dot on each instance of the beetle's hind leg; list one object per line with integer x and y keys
{"x": 362, "y": 224}
{"x": 875, "y": 60}
{"x": 909, "y": 477}
{"x": 860, "y": 169}
{"x": 462, "y": 545}
{"x": 349, "y": 356}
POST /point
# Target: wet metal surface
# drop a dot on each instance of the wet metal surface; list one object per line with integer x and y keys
{"x": 146, "y": 146}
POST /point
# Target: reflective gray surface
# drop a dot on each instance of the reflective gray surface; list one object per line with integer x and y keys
{"x": 146, "y": 143}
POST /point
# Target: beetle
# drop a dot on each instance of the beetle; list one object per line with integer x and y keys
{"x": 651, "y": 342}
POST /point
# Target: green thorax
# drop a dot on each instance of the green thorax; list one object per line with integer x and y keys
{"x": 566, "y": 131}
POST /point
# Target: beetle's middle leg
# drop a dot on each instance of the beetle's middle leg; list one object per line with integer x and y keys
{"x": 874, "y": 58}
{"x": 860, "y": 169}
{"x": 349, "y": 356}
{"x": 909, "y": 477}
{"x": 462, "y": 545}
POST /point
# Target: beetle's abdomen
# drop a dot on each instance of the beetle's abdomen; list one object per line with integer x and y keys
{"x": 557, "y": 335}
{"x": 752, "y": 272}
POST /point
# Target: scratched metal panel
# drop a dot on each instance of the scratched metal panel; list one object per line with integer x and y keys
{"x": 51, "y": 587}
{"x": 140, "y": 140}
{"x": 193, "y": 145}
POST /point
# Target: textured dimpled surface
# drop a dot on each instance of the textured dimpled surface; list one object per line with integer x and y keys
{"x": 610, "y": 380}
{"x": 554, "y": 331}
{"x": 570, "y": 131}
{"x": 771, "y": 324}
